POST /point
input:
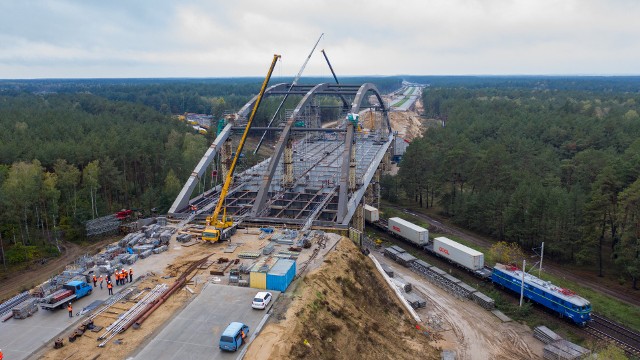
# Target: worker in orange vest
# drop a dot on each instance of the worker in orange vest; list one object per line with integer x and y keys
{"x": 95, "y": 280}
{"x": 130, "y": 274}
{"x": 100, "y": 279}
{"x": 110, "y": 287}
{"x": 117, "y": 276}
{"x": 70, "y": 309}
{"x": 125, "y": 275}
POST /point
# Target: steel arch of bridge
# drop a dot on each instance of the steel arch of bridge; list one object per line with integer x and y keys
{"x": 346, "y": 202}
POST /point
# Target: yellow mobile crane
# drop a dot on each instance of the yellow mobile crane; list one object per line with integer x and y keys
{"x": 222, "y": 229}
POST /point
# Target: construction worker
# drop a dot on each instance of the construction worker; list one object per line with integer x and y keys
{"x": 118, "y": 278}
{"x": 100, "y": 279}
{"x": 95, "y": 280}
{"x": 125, "y": 275}
{"x": 130, "y": 274}
{"x": 110, "y": 287}
{"x": 70, "y": 309}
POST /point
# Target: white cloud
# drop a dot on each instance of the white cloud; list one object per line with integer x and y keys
{"x": 202, "y": 38}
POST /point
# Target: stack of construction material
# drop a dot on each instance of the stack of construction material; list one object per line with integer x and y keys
{"x": 564, "y": 350}
{"x": 545, "y": 335}
{"x": 387, "y": 270}
{"x": 6, "y": 306}
{"x": 160, "y": 249}
{"x": 281, "y": 239}
{"x": 161, "y": 220}
{"x": 25, "y": 309}
{"x": 483, "y": 300}
{"x": 414, "y": 300}
{"x": 102, "y": 225}
{"x": 249, "y": 255}
{"x": 183, "y": 238}
{"x": 145, "y": 254}
{"x": 268, "y": 249}
{"x": 165, "y": 236}
{"x": 403, "y": 285}
{"x": 405, "y": 259}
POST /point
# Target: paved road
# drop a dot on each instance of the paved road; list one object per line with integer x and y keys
{"x": 194, "y": 333}
{"x": 19, "y": 338}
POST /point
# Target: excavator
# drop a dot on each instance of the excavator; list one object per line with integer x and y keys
{"x": 221, "y": 229}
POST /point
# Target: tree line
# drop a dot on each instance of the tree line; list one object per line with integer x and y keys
{"x": 68, "y": 158}
{"x": 534, "y": 165}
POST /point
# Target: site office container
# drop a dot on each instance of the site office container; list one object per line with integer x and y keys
{"x": 412, "y": 232}
{"x": 458, "y": 253}
{"x": 281, "y": 275}
{"x": 371, "y": 214}
{"x": 258, "y": 273}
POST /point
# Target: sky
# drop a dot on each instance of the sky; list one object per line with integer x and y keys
{"x": 210, "y": 38}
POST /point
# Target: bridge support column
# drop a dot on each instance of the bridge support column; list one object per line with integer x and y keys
{"x": 287, "y": 176}
{"x": 352, "y": 170}
{"x": 357, "y": 221}
{"x": 226, "y": 159}
{"x": 376, "y": 188}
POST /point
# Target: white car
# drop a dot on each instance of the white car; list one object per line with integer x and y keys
{"x": 261, "y": 300}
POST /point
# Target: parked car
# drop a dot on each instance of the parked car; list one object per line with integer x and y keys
{"x": 261, "y": 300}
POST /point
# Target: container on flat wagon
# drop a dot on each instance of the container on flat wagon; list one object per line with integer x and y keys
{"x": 412, "y": 232}
{"x": 371, "y": 214}
{"x": 458, "y": 253}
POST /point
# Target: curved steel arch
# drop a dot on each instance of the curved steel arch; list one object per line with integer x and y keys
{"x": 263, "y": 192}
{"x": 357, "y": 101}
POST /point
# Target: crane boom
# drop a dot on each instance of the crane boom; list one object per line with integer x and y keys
{"x": 213, "y": 230}
{"x": 295, "y": 82}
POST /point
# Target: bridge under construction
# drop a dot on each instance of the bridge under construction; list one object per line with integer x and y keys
{"x": 318, "y": 176}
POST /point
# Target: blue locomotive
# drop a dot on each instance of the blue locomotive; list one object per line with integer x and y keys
{"x": 562, "y": 301}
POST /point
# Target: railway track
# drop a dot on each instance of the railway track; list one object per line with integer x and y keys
{"x": 605, "y": 329}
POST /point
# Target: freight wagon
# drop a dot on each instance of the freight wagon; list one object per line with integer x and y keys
{"x": 413, "y": 233}
{"x": 564, "y": 302}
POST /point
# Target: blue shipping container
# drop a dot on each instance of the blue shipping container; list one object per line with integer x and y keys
{"x": 281, "y": 275}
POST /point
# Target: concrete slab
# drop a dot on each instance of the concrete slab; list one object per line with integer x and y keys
{"x": 500, "y": 315}
{"x": 194, "y": 333}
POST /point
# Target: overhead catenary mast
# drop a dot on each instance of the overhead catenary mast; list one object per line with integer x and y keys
{"x": 295, "y": 82}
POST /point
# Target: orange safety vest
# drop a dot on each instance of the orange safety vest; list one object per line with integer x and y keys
{"x": 124, "y": 272}
{"x": 95, "y": 278}
{"x": 69, "y": 308}
{"x": 109, "y": 286}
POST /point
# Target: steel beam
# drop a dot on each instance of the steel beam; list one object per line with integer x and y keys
{"x": 343, "y": 196}
{"x": 185, "y": 194}
{"x": 261, "y": 197}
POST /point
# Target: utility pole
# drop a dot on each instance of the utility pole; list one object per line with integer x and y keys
{"x": 524, "y": 263}
{"x": 541, "y": 258}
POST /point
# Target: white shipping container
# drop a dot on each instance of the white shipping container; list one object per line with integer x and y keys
{"x": 458, "y": 253}
{"x": 371, "y": 214}
{"x": 412, "y": 232}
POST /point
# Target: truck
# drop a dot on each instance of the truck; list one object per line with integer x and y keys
{"x": 458, "y": 253}
{"x": 408, "y": 231}
{"x": 72, "y": 290}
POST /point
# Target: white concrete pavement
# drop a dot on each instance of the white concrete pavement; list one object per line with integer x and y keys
{"x": 195, "y": 332}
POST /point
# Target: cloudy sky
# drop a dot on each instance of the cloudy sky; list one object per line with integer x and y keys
{"x": 209, "y": 38}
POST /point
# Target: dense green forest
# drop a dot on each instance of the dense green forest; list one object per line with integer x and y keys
{"x": 67, "y": 158}
{"x": 558, "y": 163}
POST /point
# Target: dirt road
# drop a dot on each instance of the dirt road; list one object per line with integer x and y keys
{"x": 591, "y": 281}
{"x": 466, "y": 328}
{"x": 37, "y": 274}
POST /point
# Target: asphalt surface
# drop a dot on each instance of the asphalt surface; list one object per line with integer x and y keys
{"x": 21, "y": 337}
{"x": 195, "y": 332}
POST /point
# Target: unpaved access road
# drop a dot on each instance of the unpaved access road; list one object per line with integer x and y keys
{"x": 466, "y": 328}
{"x": 37, "y": 274}
{"x": 591, "y": 280}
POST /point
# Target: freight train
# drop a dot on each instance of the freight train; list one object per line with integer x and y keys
{"x": 563, "y": 302}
